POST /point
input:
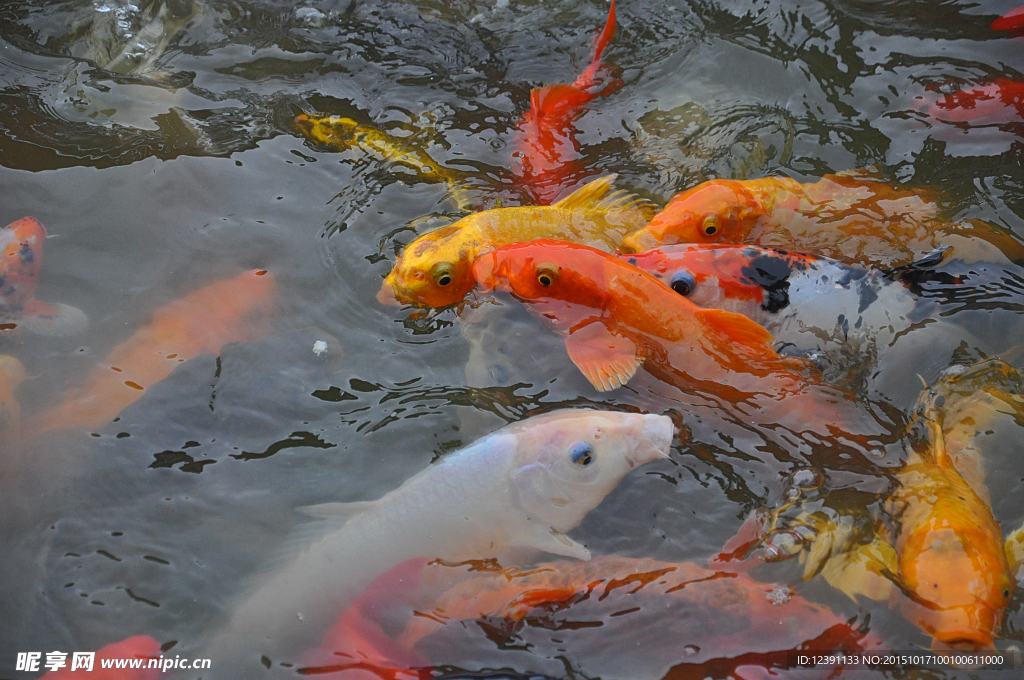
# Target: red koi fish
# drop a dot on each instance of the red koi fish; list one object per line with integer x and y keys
{"x": 617, "y": 318}
{"x": 546, "y": 143}
{"x": 201, "y": 322}
{"x": 805, "y": 301}
{"x": 679, "y": 620}
{"x": 1011, "y": 21}
{"x": 20, "y": 261}
{"x": 1000, "y": 102}
{"x": 139, "y": 647}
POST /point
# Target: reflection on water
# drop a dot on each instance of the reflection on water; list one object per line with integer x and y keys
{"x": 156, "y": 141}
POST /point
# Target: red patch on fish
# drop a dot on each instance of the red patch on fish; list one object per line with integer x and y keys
{"x": 1011, "y": 21}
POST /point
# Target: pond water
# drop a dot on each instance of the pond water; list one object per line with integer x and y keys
{"x": 187, "y": 168}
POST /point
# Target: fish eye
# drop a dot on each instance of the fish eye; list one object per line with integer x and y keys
{"x": 546, "y": 274}
{"x": 712, "y": 223}
{"x": 442, "y": 273}
{"x": 582, "y": 453}
{"x": 683, "y": 283}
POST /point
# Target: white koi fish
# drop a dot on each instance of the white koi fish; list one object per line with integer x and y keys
{"x": 511, "y": 493}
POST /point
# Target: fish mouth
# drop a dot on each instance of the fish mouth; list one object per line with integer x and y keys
{"x": 387, "y": 295}
{"x": 656, "y": 439}
{"x": 965, "y": 640}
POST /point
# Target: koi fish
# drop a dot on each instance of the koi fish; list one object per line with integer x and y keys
{"x": 616, "y": 317}
{"x": 341, "y": 134}
{"x": 141, "y": 647}
{"x": 1011, "y": 21}
{"x": 518, "y": 489}
{"x": 201, "y": 322}
{"x": 20, "y": 261}
{"x": 436, "y": 269}
{"x": 845, "y": 217}
{"x": 546, "y": 143}
{"x": 946, "y": 562}
{"x": 805, "y": 301}
{"x": 1000, "y": 102}
{"x": 679, "y": 620}
{"x": 953, "y": 566}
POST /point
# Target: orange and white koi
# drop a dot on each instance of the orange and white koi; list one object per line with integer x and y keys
{"x": 847, "y": 217}
{"x": 805, "y": 301}
{"x": 20, "y": 262}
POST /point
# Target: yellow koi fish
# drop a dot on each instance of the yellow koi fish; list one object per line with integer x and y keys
{"x": 436, "y": 270}
{"x": 340, "y": 134}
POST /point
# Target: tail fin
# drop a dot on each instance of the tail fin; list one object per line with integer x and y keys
{"x": 586, "y": 79}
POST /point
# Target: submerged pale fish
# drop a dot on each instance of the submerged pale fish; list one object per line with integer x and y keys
{"x": 515, "y": 491}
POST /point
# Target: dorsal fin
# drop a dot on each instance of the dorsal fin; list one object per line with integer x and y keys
{"x": 594, "y": 195}
{"x": 589, "y": 195}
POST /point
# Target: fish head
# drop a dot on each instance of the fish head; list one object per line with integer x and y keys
{"x": 435, "y": 270}
{"x": 713, "y": 212}
{"x": 335, "y": 131}
{"x": 20, "y": 260}
{"x": 568, "y": 461}
{"x": 563, "y": 281}
{"x": 958, "y": 586}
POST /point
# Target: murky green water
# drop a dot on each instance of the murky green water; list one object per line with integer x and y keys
{"x": 153, "y": 184}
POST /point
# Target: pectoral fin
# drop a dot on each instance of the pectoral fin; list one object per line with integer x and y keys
{"x": 339, "y": 511}
{"x": 606, "y": 359}
{"x": 1015, "y": 549}
{"x": 866, "y": 570}
{"x": 553, "y": 541}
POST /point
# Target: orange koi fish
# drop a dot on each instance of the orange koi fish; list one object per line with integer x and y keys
{"x": 199, "y": 323}
{"x": 680, "y": 620}
{"x": 617, "y": 318}
{"x": 141, "y": 647}
{"x": 1011, "y": 21}
{"x": 945, "y": 561}
{"x": 20, "y": 261}
{"x": 435, "y": 270}
{"x": 546, "y": 143}
{"x": 846, "y": 217}
{"x": 953, "y": 564}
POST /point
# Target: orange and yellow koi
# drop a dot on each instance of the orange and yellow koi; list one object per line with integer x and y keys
{"x": 436, "y": 269}
{"x": 546, "y": 145}
{"x": 952, "y": 560}
{"x": 202, "y": 322}
{"x": 847, "y": 217}
{"x": 142, "y": 647}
